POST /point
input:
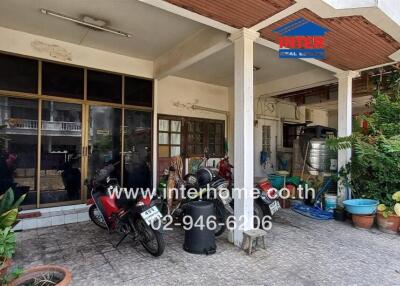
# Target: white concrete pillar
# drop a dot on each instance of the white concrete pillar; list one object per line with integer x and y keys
{"x": 154, "y": 149}
{"x": 243, "y": 131}
{"x": 345, "y": 96}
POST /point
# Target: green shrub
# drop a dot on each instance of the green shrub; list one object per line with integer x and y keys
{"x": 374, "y": 170}
{"x": 7, "y": 243}
{"x": 9, "y": 208}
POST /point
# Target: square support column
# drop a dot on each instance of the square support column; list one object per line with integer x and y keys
{"x": 345, "y": 96}
{"x": 154, "y": 148}
{"x": 243, "y": 131}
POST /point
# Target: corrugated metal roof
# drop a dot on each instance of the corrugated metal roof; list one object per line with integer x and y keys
{"x": 238, "y": 13}
{"x": 353, "y": 42}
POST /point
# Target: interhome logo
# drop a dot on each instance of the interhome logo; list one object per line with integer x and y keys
{"x": 301, "y": 39}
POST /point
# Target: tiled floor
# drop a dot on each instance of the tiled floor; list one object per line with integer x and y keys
{"x": 300, "y": 251}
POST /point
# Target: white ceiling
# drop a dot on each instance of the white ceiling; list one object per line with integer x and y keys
{"x": 218, "y": 68}
{"x": 154, "y": 31}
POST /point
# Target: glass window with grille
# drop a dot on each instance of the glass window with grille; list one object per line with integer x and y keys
{"x": 169, "y": 137}
{"x": 190, "y": 137}
{"x": 215, "y": 138}
{"x": 195, "y": 137}
{"x": 266, "y": 138}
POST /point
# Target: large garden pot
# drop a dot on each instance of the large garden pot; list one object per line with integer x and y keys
{"x": 29, "y": 275}
{"x": 389, "y": 224}
{"x": 4, "y": 268}
{"x": 363, "y": 221}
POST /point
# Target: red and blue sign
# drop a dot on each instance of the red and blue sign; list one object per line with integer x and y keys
{"x": 301, "y": 39}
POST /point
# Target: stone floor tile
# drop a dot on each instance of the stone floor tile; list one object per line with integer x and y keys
{"x": 300, "y": 251}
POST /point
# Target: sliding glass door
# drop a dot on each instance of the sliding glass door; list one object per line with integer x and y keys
{"x": 137, "y": 149}
{"x": 60, "y": 123}
{"x": 73, "y": 141}
{"x": 108, "y": 138}
{"x": 104, "y": 139}
{"x": 60, "y": 152}
{"x": 18, "y": 145}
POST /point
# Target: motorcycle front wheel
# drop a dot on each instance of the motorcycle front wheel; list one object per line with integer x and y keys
{"x": 96, "y": 217}
{"x": 151, "y": 239}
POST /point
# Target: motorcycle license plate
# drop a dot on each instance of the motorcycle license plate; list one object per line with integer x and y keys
{"x": 274, "y": 207}
{"x": 151, "y": 214}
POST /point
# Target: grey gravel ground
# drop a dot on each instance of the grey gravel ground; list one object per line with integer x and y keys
{"x": 301, "y": 251}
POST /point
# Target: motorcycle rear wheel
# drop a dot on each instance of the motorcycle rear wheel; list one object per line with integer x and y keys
{"x": 96, "y": 217}
{"x": 221, "y": 218}
{"x": 151, "y": 239}
{"x": 259, "y": 213}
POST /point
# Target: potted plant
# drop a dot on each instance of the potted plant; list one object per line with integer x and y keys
{"x": 44, "y": 275}
{"x": 388, "y": 217}
{"x": 7, "y": 249}
{"x": 8, "y": 218}
{"x": 363, "y": 221}
{"x": 41, "y": 275}
{"x": 373, "y": 172}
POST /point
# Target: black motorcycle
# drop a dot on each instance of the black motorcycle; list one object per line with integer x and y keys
{"x": 208, "y": 186}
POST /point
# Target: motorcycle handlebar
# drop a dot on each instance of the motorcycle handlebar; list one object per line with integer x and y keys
{"x": 105, "y": 172}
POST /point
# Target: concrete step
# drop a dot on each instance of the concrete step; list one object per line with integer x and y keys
{"x": 53, "y": 216}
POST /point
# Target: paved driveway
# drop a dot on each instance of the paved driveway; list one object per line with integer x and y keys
{"x": 300, "y": 251}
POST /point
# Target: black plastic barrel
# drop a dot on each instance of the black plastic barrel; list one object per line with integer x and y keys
{"x": 199, "y": 239}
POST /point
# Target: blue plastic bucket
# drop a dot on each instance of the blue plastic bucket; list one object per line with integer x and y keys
{"x": 330, "y": 202}
{"x": 361, "y": 206}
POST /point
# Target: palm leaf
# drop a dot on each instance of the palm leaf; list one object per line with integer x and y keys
{"x": 7, "y": 201}
{"x": 8, "y": 218}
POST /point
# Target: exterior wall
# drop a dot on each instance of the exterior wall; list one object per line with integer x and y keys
{"x": 31, "y": 45}
{"x": 333, "y": 115}
{"x": 333, "y": 119}
{"x": 320, "y": 117}
{"x": 295, "y": 82}
{"x": 231, "y": 106}
{"x": 283, "y": 112}
{"x": 176, "y": 96}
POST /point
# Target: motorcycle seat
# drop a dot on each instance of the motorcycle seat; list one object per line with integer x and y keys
{"x": 124, "y": 202}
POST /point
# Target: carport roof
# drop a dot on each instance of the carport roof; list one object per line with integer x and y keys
{"x": 356, "y": 40}
{"x": 238, "y": 13}
{"x": 352, "y": 42}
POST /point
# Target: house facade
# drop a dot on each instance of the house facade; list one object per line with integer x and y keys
{"x": 183, "y": 77}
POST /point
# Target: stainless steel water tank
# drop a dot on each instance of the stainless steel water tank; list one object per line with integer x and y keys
{"x": 319, "y": 158}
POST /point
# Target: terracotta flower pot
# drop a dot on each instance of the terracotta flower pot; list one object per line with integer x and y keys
{"x": 4, "y": 268}
{"x": 363, "y": 221}
{"x": 390, "y": 224}
{"x": 37, "y": 271}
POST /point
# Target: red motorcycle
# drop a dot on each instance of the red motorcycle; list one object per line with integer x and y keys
{"x": 263, "y": 203}
{"x": 133, "y": 217}
{"x": 225, "y": 170}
